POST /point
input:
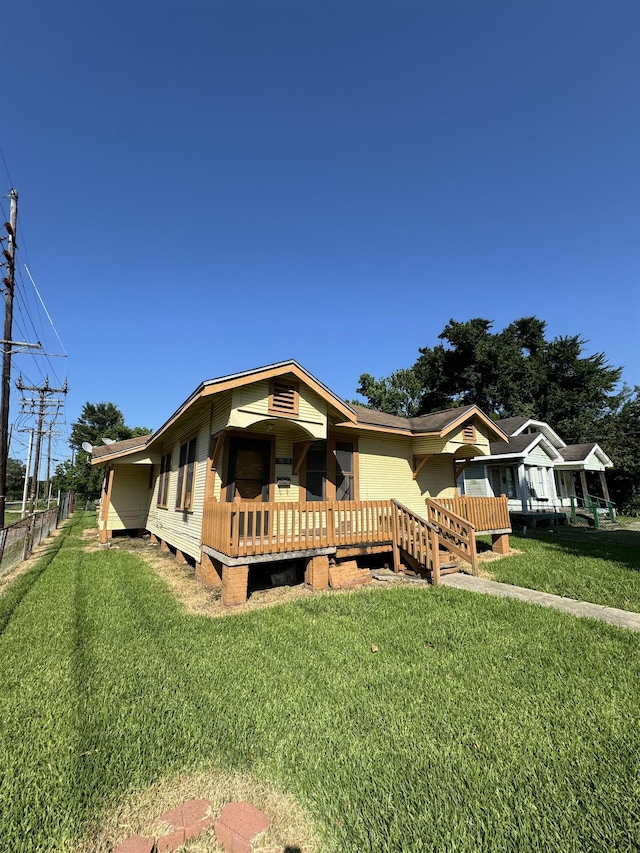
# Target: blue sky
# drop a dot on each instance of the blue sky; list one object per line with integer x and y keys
{"x": 207, "y": 187}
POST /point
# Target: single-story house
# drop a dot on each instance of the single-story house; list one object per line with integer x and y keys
{"x": 269, "y": 465}
{"x": 535, "y": 469}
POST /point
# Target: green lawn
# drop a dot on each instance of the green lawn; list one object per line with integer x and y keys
{"x": 481, "y": 724}
{"x": 602, "y": 567}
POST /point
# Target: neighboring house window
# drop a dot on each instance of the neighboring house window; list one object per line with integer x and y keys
{"x": 562, "y": 483}
{"x": 542, "y": 482}
{"x": 186, "y": 474}
{"x": 163, "y": 484}
{"x": 316, "y": 473}
{"x": 469, "y": 433}
{"x": 283, "y": 399}
{"x": 503, "y": 482}
{"x": 344, "y": 471}
{"x": 537, "y": 484}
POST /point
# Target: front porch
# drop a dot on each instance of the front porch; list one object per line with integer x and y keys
{"x": 240, "y": 534}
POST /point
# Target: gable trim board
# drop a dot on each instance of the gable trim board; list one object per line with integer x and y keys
{"x": 519, "y": 426}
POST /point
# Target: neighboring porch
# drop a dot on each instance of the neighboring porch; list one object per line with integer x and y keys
{"x": 241, "y": 534}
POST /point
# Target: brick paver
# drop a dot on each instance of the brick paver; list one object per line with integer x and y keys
{"x": 136, "y": 844}
{"x": 186, "y": 821}
{"x": 238, "y": 825}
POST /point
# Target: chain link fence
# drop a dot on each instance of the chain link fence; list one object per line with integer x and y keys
{"x": 18, "y": 539}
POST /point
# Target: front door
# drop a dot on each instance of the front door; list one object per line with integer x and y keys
{"x": 249, "y": 469}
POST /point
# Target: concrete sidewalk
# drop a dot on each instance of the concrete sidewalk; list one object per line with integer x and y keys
{"x": 621, "y": 618}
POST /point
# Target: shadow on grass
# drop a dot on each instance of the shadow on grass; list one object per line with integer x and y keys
{"x": 620, "y": 546}
{"x": 23, "y": 584}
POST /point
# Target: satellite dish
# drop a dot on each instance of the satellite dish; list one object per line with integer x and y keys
{"x": 108, "y": 440}
{"x": 86, "y": 446}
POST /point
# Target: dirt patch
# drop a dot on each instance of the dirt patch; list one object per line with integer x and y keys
{"x": 290, "y": 825}
{"x": 203, "y": 601}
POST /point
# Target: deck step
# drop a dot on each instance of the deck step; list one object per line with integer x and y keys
{"x": 450, "y": 569}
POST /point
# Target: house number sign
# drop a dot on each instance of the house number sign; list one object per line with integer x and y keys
{"x": 283, "y": 460}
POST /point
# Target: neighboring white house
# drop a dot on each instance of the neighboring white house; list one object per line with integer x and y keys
{"x": 536, "y": 470}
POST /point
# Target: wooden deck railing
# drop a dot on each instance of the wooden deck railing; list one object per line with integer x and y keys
{"x": 456, "y": 533}
{"x": 254, "y": 529}
{"x": 418, "y": 538}
{"x": 486, "y": 514}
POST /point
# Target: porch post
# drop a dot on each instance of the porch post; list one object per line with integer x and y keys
{"x": 105, "y": 505}
{"x": 605, "y": 488}
{"x": 524, "y": 487}
{"x": 551, "y": 477}
{"x": 583, "y": 484}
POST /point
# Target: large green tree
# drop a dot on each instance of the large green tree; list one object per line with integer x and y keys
{"x": 620, "y": 437}
{"x": 97, "y": 421}
{"x": 520, "y": 372}
{"x": 516, "y": 371}
{"x": 15, "y": 478}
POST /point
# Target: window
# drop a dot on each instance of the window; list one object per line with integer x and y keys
{"x": 186, "y": 474}
{"x": 469, "y": 433}
{"x": 344, "y": 471}
{"x": 316, "y": 471}
{"x": 163, "y": 482}
{"x": 503, "y": 482}
{"x": 283, "y": 399}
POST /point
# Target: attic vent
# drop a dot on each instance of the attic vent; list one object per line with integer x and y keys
{"x": 469, "y": 433}
{"x": 283, "y": 399}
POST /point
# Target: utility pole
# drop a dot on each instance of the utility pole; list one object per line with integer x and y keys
{"x": 26, "y": 476}
{"x": 44, "y": 392}
{"x": 5, "y": 386}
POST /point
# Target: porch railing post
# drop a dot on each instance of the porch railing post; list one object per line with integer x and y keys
{"x": 435, "y": 555}
{"x": 396, "y": 538}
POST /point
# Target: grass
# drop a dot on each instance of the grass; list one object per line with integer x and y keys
{"x": 602, "y": 567}
{"x": 480, "y": 724}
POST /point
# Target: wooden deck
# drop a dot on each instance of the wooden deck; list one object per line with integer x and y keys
{"x": 247, "y": 532}
{"x": 254, "y": 529}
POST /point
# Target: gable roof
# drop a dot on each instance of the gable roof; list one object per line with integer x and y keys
{"x": 257, "y": 374}
{"x": 517, "y": 426}
{"x": 578, "y": 455}
{"x": 512, "y": 425}
{"x": 520, "y": 446}
{"x": 119, "y": 448}
{"x": 435, "y": 423}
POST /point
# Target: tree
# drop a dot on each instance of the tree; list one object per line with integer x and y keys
{"x": 398, "y": 395}
{"x": 620, "y": 437}
{"x": 518, "y": 372}
{"x": 15, "y": 478}
{"x": 96, "y": 421}
{"x": 515, "y": 372}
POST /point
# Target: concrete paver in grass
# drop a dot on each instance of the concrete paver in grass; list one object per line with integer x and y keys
{"x": 621, "y": 618}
